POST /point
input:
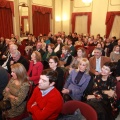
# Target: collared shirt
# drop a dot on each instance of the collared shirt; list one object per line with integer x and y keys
{"x": 45, "y": 92}
{"x": 57, "y": 48}
{"x": 98, "y": 64}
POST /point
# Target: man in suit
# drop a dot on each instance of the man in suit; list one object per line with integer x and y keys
{"x": 38, "y": 48}
{"x": 12, "y": 49}
{"x": 58, "y": 47}
{"x": 18, "y": 58}
{"x": 97, "y": 61}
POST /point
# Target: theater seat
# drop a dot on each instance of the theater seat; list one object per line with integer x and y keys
{"x": 86, "y": 110}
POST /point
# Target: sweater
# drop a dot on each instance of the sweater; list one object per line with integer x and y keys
{"x": 48, "y": 107}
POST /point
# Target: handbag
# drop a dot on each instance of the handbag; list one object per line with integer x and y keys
{"x": 5, "y": 105}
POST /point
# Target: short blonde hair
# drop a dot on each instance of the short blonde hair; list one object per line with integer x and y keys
{"x": 87, "y": 64}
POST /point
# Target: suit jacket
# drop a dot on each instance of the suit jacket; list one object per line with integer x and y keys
{"x": 35, "y": 71}
{"x": 24, "y": 62}
{"x": 76, "y": 90}
{"x": 92, "y": 61}
{"x": 72, "y": 50}
{"x": 59, "y": 52}
{"x": 40, "y": 51}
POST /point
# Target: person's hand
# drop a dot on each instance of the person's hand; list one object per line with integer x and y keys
{"x": 97, "y": 73}
{"x": 110, "y": 93}
{"x": 7, "y": 89}
{"x": 70, "y": 69}
{"x": 12, "y": 97}
{"x": 3, "y": 56}
{"x": 65, "y": 91}
{"x": 90, "y": 97}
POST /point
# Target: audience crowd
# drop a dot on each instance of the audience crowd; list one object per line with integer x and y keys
{"x": 62, "y": 68}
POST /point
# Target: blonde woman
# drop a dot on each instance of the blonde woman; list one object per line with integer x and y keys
{"x": 16, "y": 91}
{"x": 77, "y": 81}
{"x": 35, "y": 67}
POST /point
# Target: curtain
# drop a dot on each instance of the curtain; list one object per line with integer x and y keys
{"x": 41, "y": 20}
{"x": 41, "y": 23}
{"x": 81, "y": 24}
{"x": 6, "y": 18}
{"x": 109, "y": 21}
{"x": 115, "y": 31}
{"x": 88, "y": 14}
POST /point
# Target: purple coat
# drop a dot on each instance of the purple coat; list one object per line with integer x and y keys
{"x": 76, "y": 90}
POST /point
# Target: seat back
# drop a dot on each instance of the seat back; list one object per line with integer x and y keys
{"x": 86, "y": 110}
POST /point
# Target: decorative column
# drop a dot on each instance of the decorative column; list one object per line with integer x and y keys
{"x": 16, "y": 23}
{"x": 30, "y": 16}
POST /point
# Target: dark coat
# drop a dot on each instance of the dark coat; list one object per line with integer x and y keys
{"x": 60, "y": 79}
{"x": 4, "y": 77}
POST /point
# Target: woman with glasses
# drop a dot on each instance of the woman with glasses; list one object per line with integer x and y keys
{"x": 53, "y": 63}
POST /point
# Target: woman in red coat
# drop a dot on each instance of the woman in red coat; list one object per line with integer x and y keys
{"x": 35, "y": 67}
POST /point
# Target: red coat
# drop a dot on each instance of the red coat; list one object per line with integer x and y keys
{"x": 48, "y": 107}
{"x": 36, "y": 71}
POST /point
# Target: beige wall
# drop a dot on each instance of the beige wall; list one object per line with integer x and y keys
{"x": 99, "y": 9}
{"x": 63, "y": 9}
{"x": 47, "y": 3}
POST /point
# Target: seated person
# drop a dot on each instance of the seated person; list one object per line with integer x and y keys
{"x": 81, "y": 53}
{"x": 47, "y": 55}
{"x": 35, "y": 68}
{"x": 103, "y": 93}
{"x": 18, "y": 58}
{"x": 38, "y": 48}
{"x": 77, "y": 81}
{"x": 115, "y": 54}
{"x": 66, "y": 57}
{"x": 16, "y": 91}
{"x": 99, "y": 45}
{"x": 12, "y": 50}
{"x": 54, "y": 63}
{"x": 46, "y": 101}
{"x": 97, "y": 61}
{"x": 58, "y": 47}
{"x": 72, "y": 48}
{"x": 4, "y": 78}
